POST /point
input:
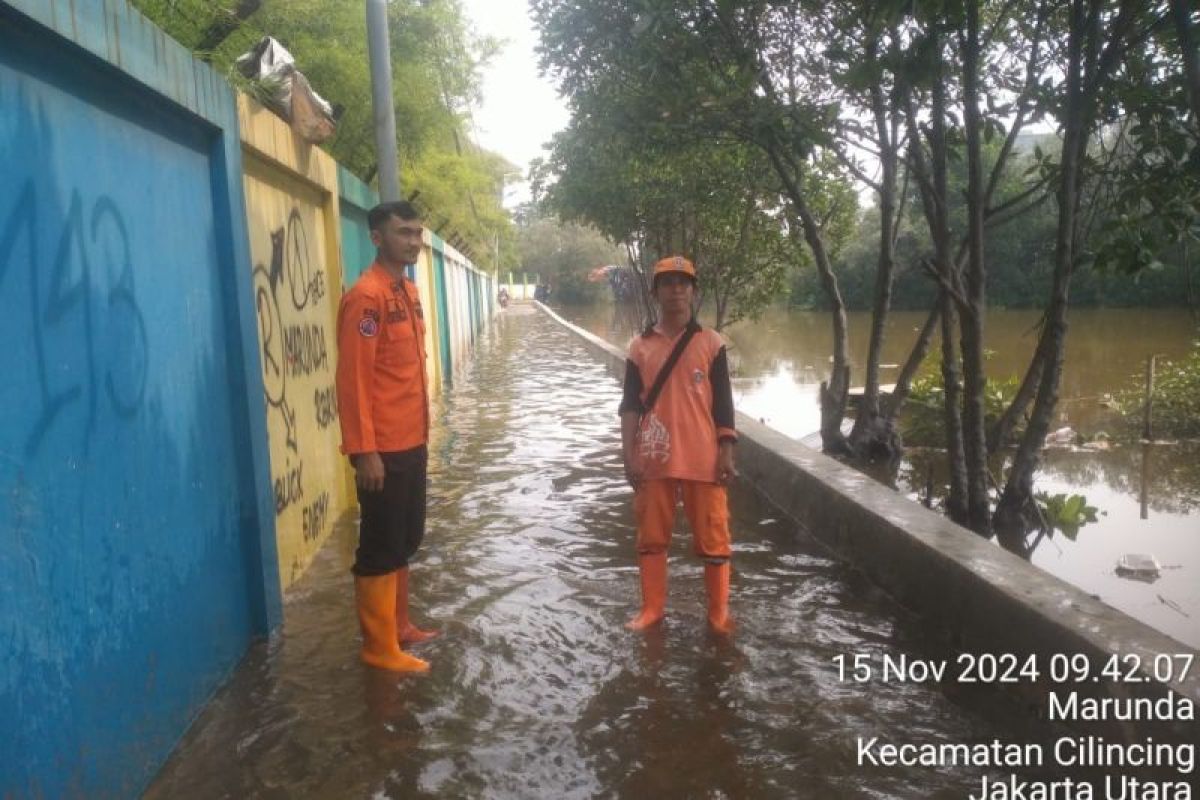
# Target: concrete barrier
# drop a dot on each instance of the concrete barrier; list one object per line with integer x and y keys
{"x": 292, "y": 216}
{"x": 982, "y": 598}
{"x": 137, "y": 537}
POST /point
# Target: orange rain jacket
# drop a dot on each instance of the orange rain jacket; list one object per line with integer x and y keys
{"x": 383, "y": 400}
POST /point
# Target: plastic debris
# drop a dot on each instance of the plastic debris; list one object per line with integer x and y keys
{"x": 1062, "y": 437}
{"x": 284, "y": 89}
{"x": 1138, "y": 565}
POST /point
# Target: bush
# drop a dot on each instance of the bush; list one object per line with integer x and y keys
{"x": 1176, "y": 397}
{"x": 923, "y": 421}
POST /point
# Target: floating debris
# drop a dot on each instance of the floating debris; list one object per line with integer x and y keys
{"x": 1171, "y": 604}
{"x": 1138, "y": 565}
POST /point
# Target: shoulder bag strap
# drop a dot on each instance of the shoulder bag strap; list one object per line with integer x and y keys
{"x": 661, "y": 378}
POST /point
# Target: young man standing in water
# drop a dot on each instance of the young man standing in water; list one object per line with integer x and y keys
{"x": 677, "y": 443}
{"x": 383, "y": 405}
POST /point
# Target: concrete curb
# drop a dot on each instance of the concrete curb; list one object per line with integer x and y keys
{"x": 985, "y": 599}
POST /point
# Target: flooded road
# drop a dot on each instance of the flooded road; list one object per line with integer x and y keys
{"x": 1148, "y": 498}
{"x": 536, "y": 689}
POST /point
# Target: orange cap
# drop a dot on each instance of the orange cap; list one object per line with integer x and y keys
{"x": 674, "y": 264}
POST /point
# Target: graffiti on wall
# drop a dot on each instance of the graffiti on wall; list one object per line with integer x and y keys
{"x": 288, "y": 487}
{"x": 294, "y": 348}
{"x": 89, "y": 307}
{"x": 290, "y": 291}
{"x": 325, "y": 403}
{"x": 315, "y": 517}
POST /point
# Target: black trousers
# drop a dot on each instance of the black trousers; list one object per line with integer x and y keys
{"x": 393, "y": 519}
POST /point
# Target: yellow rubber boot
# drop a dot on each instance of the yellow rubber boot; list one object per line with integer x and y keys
{"x": 716, "y": 581}
{"x": 653, "y": 569}
{"x": 406, "y": 631}
{"x": 376, "y": 600}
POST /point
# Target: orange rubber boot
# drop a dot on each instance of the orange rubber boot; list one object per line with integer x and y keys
{"x": 716, "y": 581}
{"x": 376, "y": 600}
{"x": 653, "y": 569}
{"x": 407, "y": 633}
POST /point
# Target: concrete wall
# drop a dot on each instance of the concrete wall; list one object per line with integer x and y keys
{"x": 137, "y": 553}
{"x": 168, "y": 290}
{"x": 356, "y": 199}
{"x": 983, "y": 598}
{"x": 454, "y": 293}
{"x": 307, "y": 217}
{"x": 295, "y": 230}
{"x": 460, "y": 311}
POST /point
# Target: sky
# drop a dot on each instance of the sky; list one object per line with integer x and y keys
{"x": 520, "y": 110}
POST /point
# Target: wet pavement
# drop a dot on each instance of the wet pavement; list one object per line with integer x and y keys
{"x": 536, "y": 689}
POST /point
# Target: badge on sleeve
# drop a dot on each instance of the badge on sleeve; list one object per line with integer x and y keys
{"x": 368, "y": 326}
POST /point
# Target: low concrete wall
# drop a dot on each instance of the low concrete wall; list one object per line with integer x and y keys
{"x": 985, "y": 599}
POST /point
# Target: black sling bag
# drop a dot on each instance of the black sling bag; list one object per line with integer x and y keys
{"x": 661, "y": 378}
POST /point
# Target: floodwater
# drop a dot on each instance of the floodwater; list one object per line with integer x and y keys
{"x": 536, "y": 689}
{"x": 1148, "y": 497}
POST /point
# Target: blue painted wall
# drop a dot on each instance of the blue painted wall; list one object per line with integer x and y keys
{"x": 136, "y": 535}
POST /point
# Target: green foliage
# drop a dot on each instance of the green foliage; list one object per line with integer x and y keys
{"x": 923, "y": 421}
{"x": 436, "y": 61}
{"x": 562, "y": 254}
{"x": 1019, "y": 253}
{"x": 666, "y": 147}
{"x": 1065, "y": 513}
{"x": 1176, "y": 397}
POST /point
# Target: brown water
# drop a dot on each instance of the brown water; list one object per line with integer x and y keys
{"x": 536, "y": 690}
{"x": 781, "y": 359}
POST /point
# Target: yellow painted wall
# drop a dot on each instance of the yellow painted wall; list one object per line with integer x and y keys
{"x": 291, "y": 209}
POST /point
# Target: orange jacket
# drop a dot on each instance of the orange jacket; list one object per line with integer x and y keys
{"x": 679, "y": 437}
{"x": 383, "y": 402}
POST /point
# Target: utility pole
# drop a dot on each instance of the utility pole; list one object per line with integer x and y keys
{"x": 379, "y": 45}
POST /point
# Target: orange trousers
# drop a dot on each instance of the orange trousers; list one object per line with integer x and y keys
{"x": 704, "y": 505}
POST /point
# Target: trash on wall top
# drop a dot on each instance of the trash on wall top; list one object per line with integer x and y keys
{"x": 282, "y": 88}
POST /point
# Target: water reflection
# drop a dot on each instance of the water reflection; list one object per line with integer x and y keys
{"x": 1149, "y": 497}
{"x": 1101, "y": 356}
{"x": 536, "y": 689}
{"x": 1164, "y": 478}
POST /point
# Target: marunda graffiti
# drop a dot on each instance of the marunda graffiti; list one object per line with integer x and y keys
{"x": 304, "y": 347}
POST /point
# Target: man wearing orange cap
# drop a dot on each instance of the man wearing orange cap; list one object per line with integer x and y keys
{"x": 677, "y": 443}
{"x": 383, "y": 406}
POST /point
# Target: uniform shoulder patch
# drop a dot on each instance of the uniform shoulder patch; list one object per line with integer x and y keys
{"x": 368, "y": 326}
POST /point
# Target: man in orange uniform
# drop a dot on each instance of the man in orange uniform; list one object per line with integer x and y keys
{"x": 383, "y": 404}
{"x": 681, "y": 446}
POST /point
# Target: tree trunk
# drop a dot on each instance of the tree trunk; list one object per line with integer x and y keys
{"x": 1013, "y": 512}
{"x": 645, "y": 303}
{"x": 874, "y": 436}
{"x": 834, "y": 392}
{"x": 917, "y": 355}
{"x": 1087, "y": 71}
{"x": 743, "y": 244}
{"x": 223, "y": 25}
{"x": 1000, "y": 433}
{"x": 932, "y": 181}
{"x": 971, "y": 322}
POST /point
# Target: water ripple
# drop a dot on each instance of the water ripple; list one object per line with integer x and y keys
{"x": 536, "y": 689}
